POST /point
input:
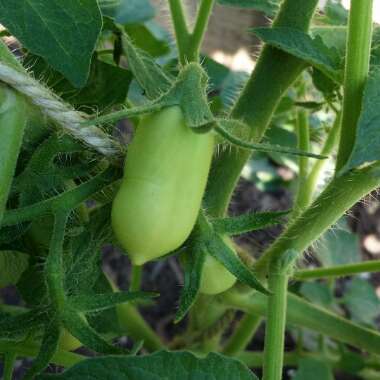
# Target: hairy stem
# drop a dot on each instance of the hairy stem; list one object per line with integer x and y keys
{"x": 338, "y": 271}
{"x": 180, "y": 29}
{"x": 358, "y": 54}
{"x": 274, "y": 73}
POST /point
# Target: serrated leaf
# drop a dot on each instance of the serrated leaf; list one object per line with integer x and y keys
{"x": 301, "y": 45}
{"x": 313, "y": 369}
{"x": 367, "y": 143}
{"x": 48, "y": 348}
{"x": 247, "y": 222}
{"x": 192, "y": 261}
{"x": 217, "y": 248}
{"x": 78, "y": 327}
{"x": 158, "y": 366}
{"x": 128, "y": 11}
{"x": 64, "y": 33}
{"x": 269, "y": 7}
{"x": 318, "y": 293}
{"x": 151, "y": 77}
{"x": 12, "y": 266}
{"x": 98, "y": 302}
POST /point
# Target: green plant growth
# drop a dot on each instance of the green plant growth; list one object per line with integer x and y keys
{"x": 70, "y": 185}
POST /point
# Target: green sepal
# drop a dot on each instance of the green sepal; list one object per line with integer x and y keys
{"x": 76, "y": 324}
{"x": 223, "y": 127}
{"x": 98, "y": 302}
{"x": 49, "y": 346}
{"x": 150, "y": 76}
{"x": 247, "y": 222}
{"x": 192, "y": 262}
{"x": 217, "y": 248}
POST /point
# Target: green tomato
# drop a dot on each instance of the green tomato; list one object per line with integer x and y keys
{"x": 215, "y": 277}
{"x": 165, "y": 177}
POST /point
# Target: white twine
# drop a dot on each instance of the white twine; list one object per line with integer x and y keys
{"x": 57, "y": 110}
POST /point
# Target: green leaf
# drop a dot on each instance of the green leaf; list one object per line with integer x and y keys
{"x": 151, "y": 77}
{"x": 351, "y": 362}
{"x": 217, "y": 248}
{"x": 362, "y": 302}
{"x": 301, "y": 45}
{"x": 318, "y": 293}
{"x": 192, "y": 262}
{"x": 159, "y": 366}
{"x": 12, "y": 266}
{"x": 367, "y": 143}
{"x": 49, "y": 346}
{"x": 98, "y": 302}
{"x": 128, "y": 11}
{"x": 247, "y": 222}
{"x": 313, "y": 369}
{"x": 269, "y": 7}
{"x": 76, "y": 324}
{"x": 63, "y": 33}
{"x": 338, "y": 246}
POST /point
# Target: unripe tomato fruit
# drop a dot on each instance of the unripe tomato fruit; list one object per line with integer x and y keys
{"x": 165, "y": 176}
{"x": 215, "y": 277}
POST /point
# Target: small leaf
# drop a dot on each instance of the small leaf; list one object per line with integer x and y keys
{"x": 367, "y": 142}
{"x": 269, "y": 7}
{"x": 160, "y": 365}
{"x": 128, "y": 11}
{"x": 313, "y": 369}
{"x": 217, "y": 248}
{"x": 49, "y": 346}
{"x": 97, "y": 302}
{"x": 223, "y": 126}
{"x": 63, "y": 33}
{"x": 318, "y": 293}
{"x": 151, "y": 77}
{"x": 301, "y": 45}
{"x": 12, "y": 266}
{"x": 78, "y": 327}
{"x": 192, "y": 260}
{"x": 248, "y": 222}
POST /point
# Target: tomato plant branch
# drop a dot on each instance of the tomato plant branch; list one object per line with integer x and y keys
{"x": 338, "y": 271}
{"x": 276, "y": 316}
{"x": 338, "y": 197}
{"x": 303, "y": 195}
{"x": 274, "y": 73}
{"x": 9, "y": 361}
{"x": 180, "y": 29}
{"x": 243, "y": 335}
{"x": 305, "y": 314}
{"x": 358, "y": 54}
{"x": 197, "y": 34}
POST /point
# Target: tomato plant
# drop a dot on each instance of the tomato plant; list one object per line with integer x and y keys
{"x": 124, "y": 251}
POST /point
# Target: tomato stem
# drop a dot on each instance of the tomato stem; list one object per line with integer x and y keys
{"x": 338, "y": 271}
{"x": 180, "y": 29}
{"x": 136, "y": 277}
{"x": 358, "y": 54}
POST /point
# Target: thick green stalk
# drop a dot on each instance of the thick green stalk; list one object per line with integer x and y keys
{"x": 338, "y": 271}
{"x": 243, "y": 335}
{"x": 136, "y": 276}
{"x": 358, "y": 54}
{"x": 197, "y": 35}
{"x": 338, "y": 197}
{"x": 9, "y": 362}
{"x": 276, "y": 316}
{"x": 303, "y": 195}
{"x": 180, "y": 29}
{"x": 304, "y": 314}
{"x": 274, "y": 73}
